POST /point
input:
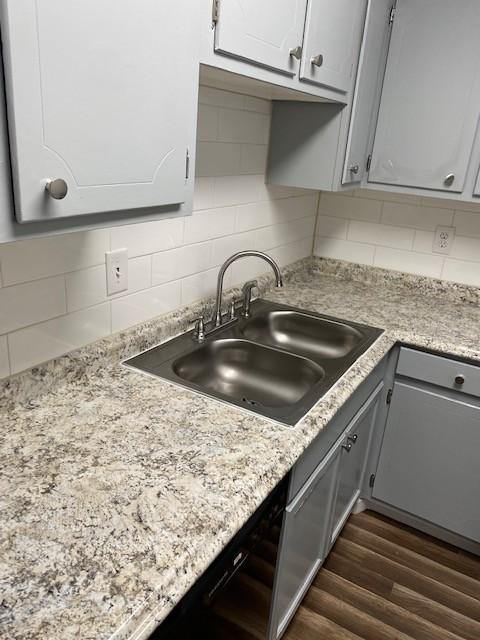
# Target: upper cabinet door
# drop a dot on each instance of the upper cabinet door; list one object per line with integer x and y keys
{"x": 101, "y": 101}
{"x": 332, "y": 41}
{"x": 368, "y": 87}
{"x": 265, "y": 32}
{"x": 431, "y": 96}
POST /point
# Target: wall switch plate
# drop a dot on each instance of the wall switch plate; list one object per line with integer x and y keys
{"x": 117, "y": 271}
{"x": 443, "y": 240}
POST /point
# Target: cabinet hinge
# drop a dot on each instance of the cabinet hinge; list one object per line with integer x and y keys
{"x": 215, "y": 11}
{"x": 389, "y": 396}
{"x": 372, "y": 480}
{"x": 392, "y": 16}
{"x": 187, "y": 165}
{"x": 369, "y": 162}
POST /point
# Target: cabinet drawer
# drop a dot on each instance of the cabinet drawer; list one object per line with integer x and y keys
{"x": 439, "y": 371}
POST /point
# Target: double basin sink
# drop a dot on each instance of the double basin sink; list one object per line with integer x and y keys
{"x": 278, "y": 362}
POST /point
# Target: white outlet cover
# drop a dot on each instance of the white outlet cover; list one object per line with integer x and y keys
{"x": 117, "y": 271}
{"x": 444, "y": 237}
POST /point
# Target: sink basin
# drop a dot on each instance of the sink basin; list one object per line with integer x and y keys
{"x": 250, "y": 373}
{"x": 303, "y": 334}
{"x": 278, "y": 363}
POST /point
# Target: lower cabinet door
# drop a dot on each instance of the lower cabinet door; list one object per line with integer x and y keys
{"x": 429, "y": 461}
{"x": 303, "y": 544}
{"x": 352, "y": 462}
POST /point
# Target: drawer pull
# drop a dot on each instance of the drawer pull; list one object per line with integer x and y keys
{"x": 347, "y": 447}
{"x": 459, "y": 380}
{"x": 353, "y": 439}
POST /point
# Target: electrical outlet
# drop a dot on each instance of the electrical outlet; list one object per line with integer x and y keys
{"x": 443, "y": 240}
{"x": 117, "y": 271}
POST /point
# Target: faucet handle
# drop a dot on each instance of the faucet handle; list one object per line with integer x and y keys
{"x": 247, "y": 296}
{"x": 233, "y": 309}
{"x": 199, "y": 331}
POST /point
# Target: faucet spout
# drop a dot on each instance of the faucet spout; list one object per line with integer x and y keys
{"x": 221, "y": 274}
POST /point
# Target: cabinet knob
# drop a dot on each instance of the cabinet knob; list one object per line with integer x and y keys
{"x": 296, "y": 52}
{"x": 347, "y": 447}
{"x": 317, "y": 61}
{"x": 57, "y": 188}
{"x": 449, "y": 180}
{"x": 354, "y": 169}
{"x": 460, "y": 380}
{"x": 353, "y": 438}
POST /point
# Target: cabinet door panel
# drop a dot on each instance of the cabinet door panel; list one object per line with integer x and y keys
{"x": 333, "y": 31}
{"x": 262, "y": 32}
{"x": 304, "y": 536}
{"x": 431, "y": 96}
{"x": 368, "y": 86}
{"x": 428, "y": 463}
{"x": 352, "y": 463}
{"x": 102, "y": 96}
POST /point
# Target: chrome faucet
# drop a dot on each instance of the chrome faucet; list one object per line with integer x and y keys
{"x": 217, "y": 318}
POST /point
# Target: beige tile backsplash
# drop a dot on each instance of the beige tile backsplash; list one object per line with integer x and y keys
{"x": 396, "y": 232}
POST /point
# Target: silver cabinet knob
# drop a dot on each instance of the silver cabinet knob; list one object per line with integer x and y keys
{"x": 347, "y": 447}
{"x": 460, "y": 380}
{"x": 296, "y": 52}
{"x": 57, "y": 188}
{"x": 354, "y": 168}
{"x": 317, "y": 61}
{"x": 353, "y": 439}
{"x": 449, "y": 180}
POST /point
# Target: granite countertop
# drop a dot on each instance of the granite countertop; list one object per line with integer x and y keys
{"x": 118, "y": 490}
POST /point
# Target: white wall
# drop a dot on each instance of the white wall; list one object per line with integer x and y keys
{"x": 397, "y": 231}
{"x": 53, "y": 291}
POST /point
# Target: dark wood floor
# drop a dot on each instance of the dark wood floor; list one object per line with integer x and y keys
{"x": 382, "y": 581}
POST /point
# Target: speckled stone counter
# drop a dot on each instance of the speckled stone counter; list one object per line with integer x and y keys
{"x": 118, "y": 490}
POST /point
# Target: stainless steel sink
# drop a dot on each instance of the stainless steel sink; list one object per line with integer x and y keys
{"x": 303, "y": 334}
{"x": 277, "y": 363}
{"x": 249, "y": 372}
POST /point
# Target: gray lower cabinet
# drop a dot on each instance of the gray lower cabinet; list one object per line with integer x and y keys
{"x": 428, "y": 464}
{"x": 353, "y": 459}
{"x": 319, "y": 508}
{"x": 303, "y": 543}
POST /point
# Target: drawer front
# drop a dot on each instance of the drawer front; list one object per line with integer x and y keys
{"x": 440, "y": 371}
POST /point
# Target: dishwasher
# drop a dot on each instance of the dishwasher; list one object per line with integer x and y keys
{"x": 232, "y": 598}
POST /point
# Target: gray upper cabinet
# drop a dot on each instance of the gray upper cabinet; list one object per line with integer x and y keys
{"x": 101, "y": 103}
{"x": 332, "y": 40}
{"x": 368, "y": 87}
{"x": 321, "y": 146}
{"x": 431, "y": 96}
{"x": 268, "y": 33}
{"x": 428, "y": 464}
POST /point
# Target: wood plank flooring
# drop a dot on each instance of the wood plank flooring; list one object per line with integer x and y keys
{"x": 382, "y": 581}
